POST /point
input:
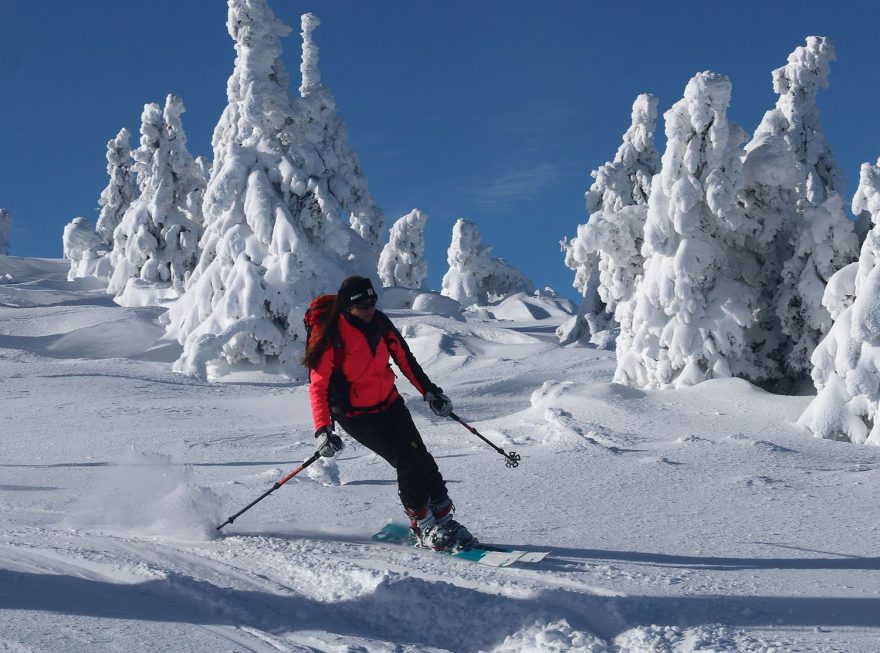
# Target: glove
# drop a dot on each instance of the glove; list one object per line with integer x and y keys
{"x": 328, "y": 442}
{"x": 439, "y": 402}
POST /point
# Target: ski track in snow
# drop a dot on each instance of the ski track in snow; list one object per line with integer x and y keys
{"x": 694, "y": 520}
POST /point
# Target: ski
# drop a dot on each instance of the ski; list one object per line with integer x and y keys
{"x": 484, "y": 554}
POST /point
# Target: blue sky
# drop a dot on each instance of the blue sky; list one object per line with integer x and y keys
{"x": 491, "y": 110}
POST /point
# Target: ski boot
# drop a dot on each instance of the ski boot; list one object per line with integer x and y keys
{"x": 458, "y": 537}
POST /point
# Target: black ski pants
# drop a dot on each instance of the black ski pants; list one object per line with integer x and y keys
{"x": 393, "y": 435}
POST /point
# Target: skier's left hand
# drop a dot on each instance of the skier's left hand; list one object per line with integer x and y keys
{"x": 439, "y": 403}
{"x": 328, "y": 443}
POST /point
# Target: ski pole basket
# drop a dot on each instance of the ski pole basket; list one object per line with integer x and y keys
{"x": 511, "y": 458}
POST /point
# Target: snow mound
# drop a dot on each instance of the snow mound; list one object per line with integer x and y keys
{"x": 436, "y": 304}
{"x": 397, "y": 298}
{"x": 701, "y": 639}
{"x": 530, "y": 308}
{"x": 127, "y": 337}
{"x": 434, "y": 339}
{"x": 32, "y": 269}
{"x": 86, "y": 331}
{"x": 556, "y": 636}
{"x": 550, "y": 394}
{"x": 29, "y": 282}
{"x": 138, "y": 292}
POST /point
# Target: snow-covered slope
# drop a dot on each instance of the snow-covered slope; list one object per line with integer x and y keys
{"x": 693, "y": 520}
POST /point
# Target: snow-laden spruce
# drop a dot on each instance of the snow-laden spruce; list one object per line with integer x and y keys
{"x": 5, "y": 231}
{"x": 275, "y": 229}
{"x": 791, "y": 194}
{"x": 402, "y": 262}
{"x": 84, "y": 247}
{"x": 606, "y": 253}
{"x": 474, "y": 275}
{"x": 119, "y": 192}
{"x": 156, "y": 241}
{"x": 846, "y": 363}
{"x": 325, "y": 147}
{"x": 693, "y": 304}
{"x": 200, "y": 173}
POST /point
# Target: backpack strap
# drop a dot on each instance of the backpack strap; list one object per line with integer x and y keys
{"x": 338, "y": 352}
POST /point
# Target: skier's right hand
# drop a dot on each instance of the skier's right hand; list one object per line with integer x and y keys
{"x": 328, "y": 442}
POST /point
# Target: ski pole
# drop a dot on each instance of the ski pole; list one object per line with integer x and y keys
{"x": 512, "y": 458}
{"x": 277, "y": 485}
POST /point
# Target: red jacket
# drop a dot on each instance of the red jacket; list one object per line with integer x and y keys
{"x": 370, "y": 380}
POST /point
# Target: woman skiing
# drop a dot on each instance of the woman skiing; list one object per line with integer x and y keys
{"x": 351, "y": 382}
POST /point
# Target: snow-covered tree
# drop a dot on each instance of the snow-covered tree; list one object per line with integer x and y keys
{"x": 846, "y": 363}
{"x": 190, "y": 178}
{"x": 474, "y": 275}
{"x": 200, "y": 174}
{"x": 84, "y": 248}
{"x": 791, "y": 195}
{"x": 275, "y": 230}
{"x": 156, "y": 240}
{"x": 324, "y": 142}
{"x": 117, "y": 195}
{"x": 606, "y": 253}
{"x": 5, "y": 231}
{"x": 402, "y": 262}
{"x": 592, "y": 318}
{"x": 694, "y": 302}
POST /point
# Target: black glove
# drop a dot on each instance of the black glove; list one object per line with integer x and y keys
{"x": 439, "y": 402}
{"x": 328, "y": 442}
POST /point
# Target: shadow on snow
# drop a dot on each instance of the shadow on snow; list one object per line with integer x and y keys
{"x": 399, "y": 609}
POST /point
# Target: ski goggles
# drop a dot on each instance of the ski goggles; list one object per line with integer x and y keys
{"x": 367, "y": 303}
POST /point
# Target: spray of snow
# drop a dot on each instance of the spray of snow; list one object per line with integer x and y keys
{"x": 325, "y": 471}
{"x": 147, "y": 494}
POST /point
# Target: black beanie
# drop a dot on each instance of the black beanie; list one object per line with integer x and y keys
{"x": 355, "y": 290}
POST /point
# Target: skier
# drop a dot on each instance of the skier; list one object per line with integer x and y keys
{"x": 351, "y": 382}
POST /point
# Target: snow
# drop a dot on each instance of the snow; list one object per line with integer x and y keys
{"x": 699, "y": 519}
